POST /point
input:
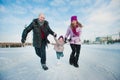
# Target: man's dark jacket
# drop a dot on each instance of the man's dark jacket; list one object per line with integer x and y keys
{"x": 37, "y": 39}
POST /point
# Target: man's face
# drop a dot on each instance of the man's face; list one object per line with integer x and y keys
{"x": 41, "y": 18}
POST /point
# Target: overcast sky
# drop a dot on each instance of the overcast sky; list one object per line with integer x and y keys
{"x": 99, "y": 17}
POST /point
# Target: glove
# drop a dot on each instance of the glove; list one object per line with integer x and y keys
{"x": 48, "y": 41}
{"x": 22, "y": 40}
{"x": 55, "y": 35}
{"x": 65, "y": 40}
{"x": 69, "y": 39}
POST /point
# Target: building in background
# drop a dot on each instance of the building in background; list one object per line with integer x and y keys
{"x": 103, "y": 40}
{"x": 108, "y": 39}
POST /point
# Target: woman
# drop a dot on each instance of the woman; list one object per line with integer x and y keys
{"x": 74, "y": 31}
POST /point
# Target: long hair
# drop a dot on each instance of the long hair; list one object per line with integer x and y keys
{"x": 78, "y": 25}
{"x": 73, "y": 27}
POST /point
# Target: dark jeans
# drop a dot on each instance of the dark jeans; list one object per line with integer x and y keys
{"x": 74, "y": 56}
{"x": 41, "y": 52}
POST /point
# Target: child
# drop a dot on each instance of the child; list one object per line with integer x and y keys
{"x": 59, "y": 47}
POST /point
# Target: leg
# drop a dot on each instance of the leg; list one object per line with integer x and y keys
{"x": 58, "y": 55}
{"x": 78, "y": 47}
{"x": 43, "y": 55}
{"x": 71, "y": 60}
{"x": 61, "y": 54}
{"x": 38, "y": 51}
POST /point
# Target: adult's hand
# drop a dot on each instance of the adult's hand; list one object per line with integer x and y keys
{"x": 65, "y": 40}
{"x": 23, "y": 41}
{"x": 55, "y": 35}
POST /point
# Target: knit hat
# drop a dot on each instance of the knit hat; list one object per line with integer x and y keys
{"x": 60, "y": 37}
{"x": 73, "y": 18}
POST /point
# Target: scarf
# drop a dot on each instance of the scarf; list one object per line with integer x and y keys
{"x": 41, "y": 29}
{"x": 74, "y": 31}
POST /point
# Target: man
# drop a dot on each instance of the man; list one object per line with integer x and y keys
{"x": 41, "y": 30}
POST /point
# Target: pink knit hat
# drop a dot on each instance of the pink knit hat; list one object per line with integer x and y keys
{"x": 73, "y": 18}
{"x": 60, "y": 37}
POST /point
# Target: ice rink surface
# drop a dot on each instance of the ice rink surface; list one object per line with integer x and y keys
{"x": 96, "y": 62}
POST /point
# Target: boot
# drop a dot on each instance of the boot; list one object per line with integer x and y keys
{"x": 76, "y": 63}
{"x": 58, "y": 62}
{"x": 44, "y": 67}
{"x": 71, "y": 60}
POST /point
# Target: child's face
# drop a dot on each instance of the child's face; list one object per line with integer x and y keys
{"x": 61, "y": 39}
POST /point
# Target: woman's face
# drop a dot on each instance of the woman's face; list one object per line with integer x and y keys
{"x": 74, "y": 22}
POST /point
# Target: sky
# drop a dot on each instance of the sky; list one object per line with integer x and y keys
{"x": 99, "y": 18}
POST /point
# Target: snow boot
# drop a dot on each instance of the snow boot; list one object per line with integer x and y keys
{"x": 44, "y": 67}
{"x": 76, "y": 63}
{"x": 71, "y": 60}
{"x": 58, "y": 61}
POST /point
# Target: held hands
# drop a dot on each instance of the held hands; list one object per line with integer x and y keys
{"x": 65, "y": 40}
{"x": 55, "y": 35}
{"x": 69, "y": 39}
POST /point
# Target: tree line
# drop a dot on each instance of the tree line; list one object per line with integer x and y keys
{"x": 13, "y": 44}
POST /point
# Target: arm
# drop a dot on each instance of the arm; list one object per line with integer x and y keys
{"x": 50, "y": 30}
{"x": 57, "y": 42}
{"x": 67, "y": 33}
{"x": 55, "y": 39}
{"x": 26, "y": 31}
{"x": 52, "y": 43}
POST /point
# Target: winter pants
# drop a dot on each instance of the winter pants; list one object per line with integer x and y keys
{"x": 74, "y": 56}
{"x": 41, "y": 52}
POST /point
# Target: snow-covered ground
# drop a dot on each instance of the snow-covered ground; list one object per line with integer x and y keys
{"x": 96, "y": 62}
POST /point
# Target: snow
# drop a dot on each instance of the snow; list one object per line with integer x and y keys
{"x": 96, "y": 62}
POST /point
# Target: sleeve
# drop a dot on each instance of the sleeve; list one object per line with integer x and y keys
{"x": 53, "y": 43}
{"x": 67, "y": 33}
{"x": 55, "y": 39}
{"x": 49, "y": 29}
{"x": 27, "y": 30}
